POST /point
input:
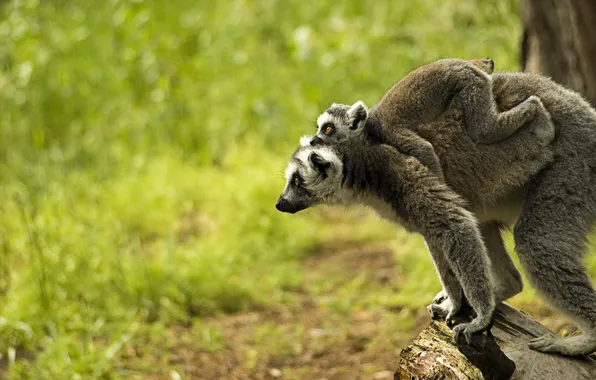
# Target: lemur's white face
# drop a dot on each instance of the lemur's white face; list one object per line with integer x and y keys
{"x": 313, "y": 176}
{"x": 341, "y": 122}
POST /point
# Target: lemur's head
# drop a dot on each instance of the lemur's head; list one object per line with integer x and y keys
{"x": 340, "y": 122}
{"x": 313, "y": 176}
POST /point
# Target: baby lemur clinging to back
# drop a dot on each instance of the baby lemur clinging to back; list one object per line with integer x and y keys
{"x": 423, "y": 96}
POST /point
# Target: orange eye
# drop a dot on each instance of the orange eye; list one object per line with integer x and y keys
{"x": 328, "y": 130}
{"x": 296, "y": 181}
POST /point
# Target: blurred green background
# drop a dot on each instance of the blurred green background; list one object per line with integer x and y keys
{"x": 142, "y": 145}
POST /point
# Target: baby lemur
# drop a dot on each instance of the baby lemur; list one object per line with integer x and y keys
{"x": 423, "y": 96}
{"x": 546, "y": 191}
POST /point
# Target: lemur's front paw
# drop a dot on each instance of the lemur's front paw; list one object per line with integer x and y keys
{"x": 436, "y": 311}
{"x": 535, "y": 101}
{"x": 542, "y": 126}
{"x": 440, "y": 297}
{"x": 478, "y": 324}
{"x": 544, "y": 130}
{"x": 445, "y": 310}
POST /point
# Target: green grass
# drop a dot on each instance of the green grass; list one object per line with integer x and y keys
{"x": 141, "y": 152}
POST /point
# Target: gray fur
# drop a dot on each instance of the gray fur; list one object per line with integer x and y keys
{"x": 559, "y": 209}
{"x": 401, "y": 189}
{"x": 545, "y": 190}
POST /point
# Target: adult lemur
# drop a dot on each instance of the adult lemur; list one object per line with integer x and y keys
{"x": 547, "y": 191}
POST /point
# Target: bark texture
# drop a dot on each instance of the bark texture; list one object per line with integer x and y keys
{"x": 559, "y": 41}
{"x": 433, "y": 355}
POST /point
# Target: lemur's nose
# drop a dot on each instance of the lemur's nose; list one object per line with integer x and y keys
{"x": 280, "y": 203}
{"x": 315, "y": 140}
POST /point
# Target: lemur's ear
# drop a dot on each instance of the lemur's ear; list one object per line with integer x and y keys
{"x": 489, "y": 64}
{"x": 319, "y": 162}
{"x": 358, "y": 114}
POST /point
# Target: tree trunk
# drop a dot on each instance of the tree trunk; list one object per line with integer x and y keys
{"x": 559, "y": 41}
{"x": 433, "y": 355}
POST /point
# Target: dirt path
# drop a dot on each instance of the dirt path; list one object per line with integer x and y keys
{"x": 335, "y": 328}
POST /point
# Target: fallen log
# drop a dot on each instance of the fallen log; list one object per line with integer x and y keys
{"x": 502, "y": 354}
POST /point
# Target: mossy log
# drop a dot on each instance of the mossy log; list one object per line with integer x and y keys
{"x": 503, "y": 354}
